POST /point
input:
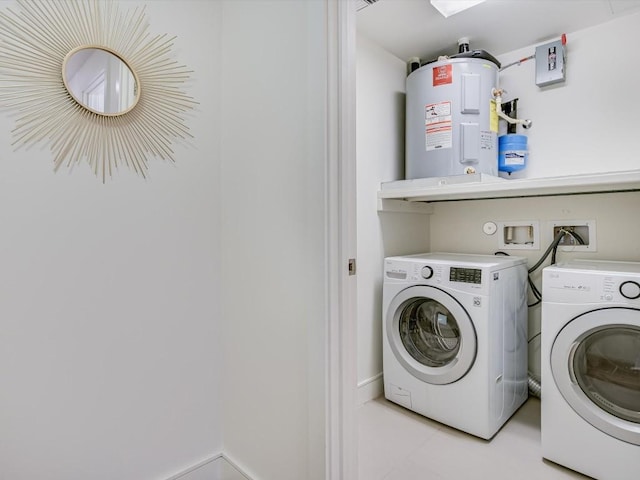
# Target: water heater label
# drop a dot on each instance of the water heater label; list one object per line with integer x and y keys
{"x": 487, "y": 140}
{"x": 493, "y": 116}
{"x": 442, "y": 75}
{"x": 438, "y": 126}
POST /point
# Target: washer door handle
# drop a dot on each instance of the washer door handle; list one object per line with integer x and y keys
{"x": 572, "y": 354}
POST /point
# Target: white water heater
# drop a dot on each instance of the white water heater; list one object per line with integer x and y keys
{"x": 451, "y": 118}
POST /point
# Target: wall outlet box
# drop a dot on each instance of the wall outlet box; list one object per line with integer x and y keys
{"x": 584, "y": 238}
{"x": 519, "y": 235}
{"x": 550, "y": 63}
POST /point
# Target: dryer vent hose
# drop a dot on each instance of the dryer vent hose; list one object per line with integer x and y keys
{"x": 534, "y": 385}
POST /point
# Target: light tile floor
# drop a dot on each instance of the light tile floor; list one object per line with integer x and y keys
{"x": 397, "y": 444}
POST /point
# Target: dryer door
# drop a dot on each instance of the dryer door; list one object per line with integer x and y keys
{"x": 595, "y": 361}
{"x": 431, "y": 334}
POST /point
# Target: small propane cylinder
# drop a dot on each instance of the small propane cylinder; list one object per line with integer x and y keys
{"x": 451, "y": 119}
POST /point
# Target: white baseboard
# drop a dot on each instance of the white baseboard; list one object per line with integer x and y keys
{"x": 370, "y": 388}
{"x": 211, "y": 468}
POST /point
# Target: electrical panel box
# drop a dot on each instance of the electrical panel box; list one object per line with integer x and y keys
{"x": 550, "y": 63}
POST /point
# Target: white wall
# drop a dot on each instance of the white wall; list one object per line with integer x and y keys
{"x": 587, "y": 124}
{"x": 109, "y": 345}
{"x": 149, "y": 325}
{"x": 380, "y": 158}
{"x": 273, "y": 237}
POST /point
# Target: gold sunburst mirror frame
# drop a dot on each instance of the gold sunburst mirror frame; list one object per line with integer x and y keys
{"x": 43, "y": 46}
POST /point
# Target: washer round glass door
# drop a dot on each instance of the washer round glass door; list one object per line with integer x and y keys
{"x": 431, "y": 334}
{"x": 595, "y": 360}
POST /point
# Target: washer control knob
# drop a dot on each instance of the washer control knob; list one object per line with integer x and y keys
{"x": 427, "y": 272}
{"x": 630, "y": 290}
{"x": 608, "y": 297}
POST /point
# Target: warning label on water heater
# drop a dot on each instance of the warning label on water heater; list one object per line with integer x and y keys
{"x": 442, "y": 75}
{"x": 438, "y": 126}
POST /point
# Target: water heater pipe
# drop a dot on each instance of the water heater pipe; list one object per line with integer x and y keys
{"x": 518, "y": 62}
{"x": 497, "y": 94}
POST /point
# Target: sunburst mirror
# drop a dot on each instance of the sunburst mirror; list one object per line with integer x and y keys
{"x": 88, "y": 80}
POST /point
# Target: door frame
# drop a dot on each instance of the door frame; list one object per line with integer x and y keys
{"x": 341, "y": 344}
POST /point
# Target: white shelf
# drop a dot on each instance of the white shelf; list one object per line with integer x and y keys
{"x": 480, "y": 186}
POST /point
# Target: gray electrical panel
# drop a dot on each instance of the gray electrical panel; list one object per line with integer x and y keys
{"x": 550, "y": 63}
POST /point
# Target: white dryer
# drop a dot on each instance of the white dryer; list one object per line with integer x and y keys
{"x": 591, "y": 368}
{"x": 455, "y": 338}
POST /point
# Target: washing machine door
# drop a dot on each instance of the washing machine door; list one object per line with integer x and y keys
{"x": 595, "y": 361}
{"x": 431, "y": 334}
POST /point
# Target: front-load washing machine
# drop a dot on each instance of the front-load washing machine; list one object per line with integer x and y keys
{"x": 590, "y": 402}
{"x": 455, "y": 337}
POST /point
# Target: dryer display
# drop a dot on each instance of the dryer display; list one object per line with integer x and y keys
{"x": 467, "y": 275}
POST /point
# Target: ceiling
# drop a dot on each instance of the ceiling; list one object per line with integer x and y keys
{"x": 414, "y": 28}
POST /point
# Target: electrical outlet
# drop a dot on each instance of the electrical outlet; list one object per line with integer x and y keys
{"x": 580, "y": 236}
{"x": 519, "y": 235}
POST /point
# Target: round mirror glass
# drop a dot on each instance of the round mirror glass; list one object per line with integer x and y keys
{"x": 100, "y": 81}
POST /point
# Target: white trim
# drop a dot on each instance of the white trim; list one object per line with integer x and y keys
{"x": 370, "y": 388}
{"x": 341, "y": 428}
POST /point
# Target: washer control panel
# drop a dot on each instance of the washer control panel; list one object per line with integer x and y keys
{"x": 568, "y": 285}
{"x": 462, "y": 277}
{"x": 427, "y": 272}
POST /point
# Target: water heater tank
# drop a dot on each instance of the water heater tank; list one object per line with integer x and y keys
{"x": 451, "y": 119}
